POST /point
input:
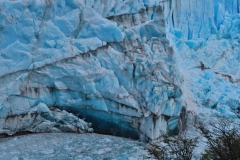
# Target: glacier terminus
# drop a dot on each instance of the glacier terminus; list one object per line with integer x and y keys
{"x": 131, "y": 68}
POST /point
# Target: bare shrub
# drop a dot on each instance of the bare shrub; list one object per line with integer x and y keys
{"x": 176, "y": 148}
{"x": 223, "y": 139}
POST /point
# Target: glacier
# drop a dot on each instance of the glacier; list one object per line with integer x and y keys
{"x": 132, "y": 68}
{"x": 207, "y": 46}
{"x": 61, "y": 146}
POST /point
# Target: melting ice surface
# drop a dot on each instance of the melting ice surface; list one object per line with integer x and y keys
{"x": 66, "y": 146}
{"x": 128, "y": 67}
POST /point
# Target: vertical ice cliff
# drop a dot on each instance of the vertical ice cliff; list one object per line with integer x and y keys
{"x": 106, "y": 61}
{"x": 199, "y": 19}
{"x": 206, "y": 39}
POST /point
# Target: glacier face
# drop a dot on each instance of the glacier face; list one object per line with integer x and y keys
{"x": 200, "y": 19}
{"x": 206, "y": 40}
{"x": 110, "y": 62}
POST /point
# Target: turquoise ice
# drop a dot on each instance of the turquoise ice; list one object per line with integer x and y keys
{"x": 129, "y": 67}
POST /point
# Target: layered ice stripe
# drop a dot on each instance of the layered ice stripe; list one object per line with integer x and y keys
{"x": 108, "y": 62}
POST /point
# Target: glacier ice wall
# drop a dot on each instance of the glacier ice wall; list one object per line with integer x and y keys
{"x": 108, "y": 62}
{"x": 206, "y": 39}
{"x": 199, "y": 19}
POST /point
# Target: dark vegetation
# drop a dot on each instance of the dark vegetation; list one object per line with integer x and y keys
{"x": 176, "y": 148}
{"x": 223, "y": 142}
{"x": 223, "y": 139}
